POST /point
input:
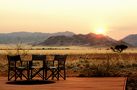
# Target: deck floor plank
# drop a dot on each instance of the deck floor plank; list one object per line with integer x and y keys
{"x": 72, "y": 83}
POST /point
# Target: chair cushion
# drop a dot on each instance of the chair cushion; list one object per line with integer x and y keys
{"x": 21, "y": 67}
{"x": 53, "y": 67}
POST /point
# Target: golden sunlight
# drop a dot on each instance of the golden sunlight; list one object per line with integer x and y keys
{"x": 100, "y": 31}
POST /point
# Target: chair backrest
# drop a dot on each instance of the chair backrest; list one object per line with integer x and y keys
{"x": 38, "y": 60}
{"x": 38, "y": 57}
{"x": 61, "y": 60}
{"x": 12, "y": 60}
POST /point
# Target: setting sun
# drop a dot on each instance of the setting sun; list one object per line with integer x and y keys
{"x": 100, "y": 31}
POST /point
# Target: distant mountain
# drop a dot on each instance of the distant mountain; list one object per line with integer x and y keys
{"x": 29, "y": 37}
{"x": 131, "y": 39}
{"x": 90, "y": 39}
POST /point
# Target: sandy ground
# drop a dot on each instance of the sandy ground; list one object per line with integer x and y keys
{"x": 72, "y": 83}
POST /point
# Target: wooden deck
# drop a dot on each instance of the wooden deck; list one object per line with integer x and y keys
{"x": 72, "y": 83}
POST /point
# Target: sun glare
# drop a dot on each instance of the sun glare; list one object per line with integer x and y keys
{"x": 100, "y": 31}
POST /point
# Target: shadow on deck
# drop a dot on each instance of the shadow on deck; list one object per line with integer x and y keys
{"x": 31, "y": 82}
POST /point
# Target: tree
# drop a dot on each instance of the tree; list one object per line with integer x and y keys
{"x": 119, "y": 48}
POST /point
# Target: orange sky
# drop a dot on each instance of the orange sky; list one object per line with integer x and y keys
{"x": 117, "y": 17}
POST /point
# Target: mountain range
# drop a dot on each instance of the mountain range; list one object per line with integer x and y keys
{"x": 28, "y": 37}
{"x": 131, "y": 39}
{"x": 90, "y": 39}
{"x": 65, "y": 39}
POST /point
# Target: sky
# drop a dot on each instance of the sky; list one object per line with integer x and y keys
{"x": 115, "y": 18}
